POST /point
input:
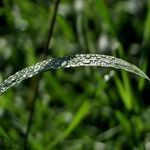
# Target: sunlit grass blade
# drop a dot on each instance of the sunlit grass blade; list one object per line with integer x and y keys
{"x": 82, "y": 112}
{"x": 123, "y": 94}
{"x": 124, "y": 122}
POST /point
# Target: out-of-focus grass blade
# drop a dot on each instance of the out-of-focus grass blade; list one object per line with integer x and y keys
{"x": 146, "y": 35}
{"x": 124, "y": 122}
{"x": 57, "y": 88}
{"x": 123, "y": 94}
{"x": 104, "y": 13}
{"x": 146, "y": 39}
{"x": 141, "y": 80}
{"x": 106, "y": 18}
{"x": 82, "y": 112}
{"x": 4, "y": 135}
{"x": 128, "y": 89}
{"x": 108, "y": 22}
{"x": 66, "y": 29}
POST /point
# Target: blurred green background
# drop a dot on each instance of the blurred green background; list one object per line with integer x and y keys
{"x": 78, "y": 108}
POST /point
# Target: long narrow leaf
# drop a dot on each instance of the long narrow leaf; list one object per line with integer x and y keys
{"x": 67, "y": 62}
{"x": 82, "y": 112}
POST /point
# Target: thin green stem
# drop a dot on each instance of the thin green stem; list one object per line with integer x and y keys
{"x": 51, "y": 29}
{"x": 35, "y": 91}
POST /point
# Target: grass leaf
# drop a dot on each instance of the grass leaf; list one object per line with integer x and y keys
{"x": 67, "y": 62}
{"x": 4, "y": 135}
{"x": 82, "y": 112}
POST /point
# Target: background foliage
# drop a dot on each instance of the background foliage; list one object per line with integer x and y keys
{"x": 80, "y": 108}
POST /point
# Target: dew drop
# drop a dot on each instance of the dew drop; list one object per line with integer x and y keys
{"x": 88, "y": 56}
{"x": 64, "y": 64}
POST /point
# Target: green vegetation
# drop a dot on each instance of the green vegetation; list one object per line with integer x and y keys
{"x": 75, "y": 108}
